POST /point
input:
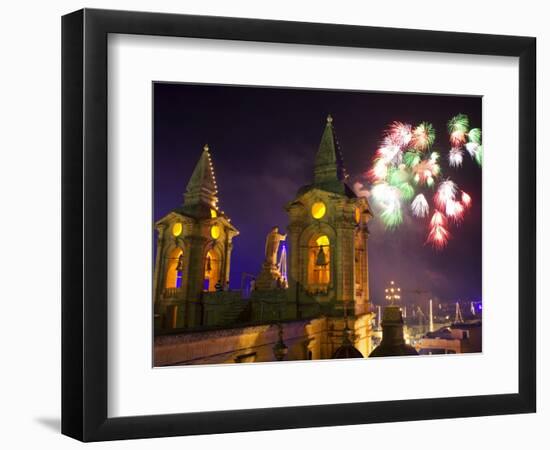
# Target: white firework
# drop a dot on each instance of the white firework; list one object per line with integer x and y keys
{"x": 419, "y": 206}
{"x": 455, "y": 157}
{"x": 471, "y": 147}
{"x": 446, "y": 192}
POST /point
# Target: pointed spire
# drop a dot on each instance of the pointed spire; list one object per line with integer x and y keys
{"x": 202, "y": 187}
{"x": 328, "y": 161}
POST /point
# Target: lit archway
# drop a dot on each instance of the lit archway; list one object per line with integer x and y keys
{"x": 212, "y": 271}
{"x": 174, "y": 268}
{"x": 319, "y": 263}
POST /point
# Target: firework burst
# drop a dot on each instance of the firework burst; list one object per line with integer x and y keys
{"x": 460, "y": 122}
{"x": 419, "y": 206}
{"x": 438, "y": 237}
{"x": 454, "y": 210}
{"x": 423, "y": 136}
{"x": 405, "y": 165}
{"x": 471, "y": 148}
{"x": 389, "y": 199}
{"x": 474, "y": 135}
{"x": 399, "y": 133}
{"x": 446, "y": 193}
{"x": 466, "y": 199}
{"x": 455, "y": 157}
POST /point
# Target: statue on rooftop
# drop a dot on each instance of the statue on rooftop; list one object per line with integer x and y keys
{"x": 272, "y": 243}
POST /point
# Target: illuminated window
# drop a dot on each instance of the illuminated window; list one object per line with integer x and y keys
{"x": 213, "y": 213}
{"x": 319, "y": 264}
{"x": 357, "y": 215}
{"x": 215, "y": 231}
{"x": 177, "y": 228}
{"x": 174, "y": 268}
{"x": 318, "y": 210}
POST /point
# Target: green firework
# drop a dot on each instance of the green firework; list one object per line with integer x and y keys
{"x": 460, "y": 122}
{"x": 411, "y": 158}
{"x": 479, "y": 155}
{"x": 392, "y": 217}
{"x": 474, "y": 135}
{"x": 407, "y": 191}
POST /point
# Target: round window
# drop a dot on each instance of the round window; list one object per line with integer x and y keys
{"x": 177, "y": 228}
{"x": 215, "y": 232}
{"x": 318, "y": 210}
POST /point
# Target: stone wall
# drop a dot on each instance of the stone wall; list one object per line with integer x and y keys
{"x": 234, "y": 345}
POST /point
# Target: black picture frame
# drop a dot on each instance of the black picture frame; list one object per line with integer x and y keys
{"x": 84, "y": 224}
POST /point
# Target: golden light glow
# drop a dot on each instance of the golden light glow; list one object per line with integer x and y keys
{"x": 215, "y": 231}
{"x": 319, "y": 275}
{"x": 318, "y": 210}
{"x": 323, "y": 240}
{"x": 357, "y": 215}
{"x": 212, "y": 270}
{"x": 171, "y": 271}
{"x": 177, "y": 228}
{"x": 213, "y": 213}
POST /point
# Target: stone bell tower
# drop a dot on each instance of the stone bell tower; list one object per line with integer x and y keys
{"x": 194, "y": 244}
{"x": 328, "y": 235}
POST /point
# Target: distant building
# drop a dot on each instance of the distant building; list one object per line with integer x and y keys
{"x": 463, "y": 337}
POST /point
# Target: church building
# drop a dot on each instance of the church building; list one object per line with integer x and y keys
{"x": 318, "y": 310}
{"x": 193, "y": 250}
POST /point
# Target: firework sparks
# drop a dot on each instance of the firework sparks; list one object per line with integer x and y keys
{"x": 411, "y": 158}
{"x": 419, "y": 206}
{"x": 458, "y": 138}
{"x": 404, "y": 163}
{"x": 438, "y": 237}
{"x": 479, "y": 156}
{"x": 388, "y": 198}
{"x": 458, "y": 129}
{"x": 454, "y": 210}
{"x": 455, "y": 157}
{"x": 379, "y": 171}
{"x": 474, "y": 135}
{"x": 399, "y": 133}
{"x": 438, "y": 219}
{"x": 471, "y": 148}
{"x": 426, "y": 170}
{"x": 460, "y": 122}
{"x": 407, "y": 191}
{"x": 466, "y": 199}
{"x": 446, "y": 192}
{"x": 423, "y": 136}
{"x": 390, "y": 154}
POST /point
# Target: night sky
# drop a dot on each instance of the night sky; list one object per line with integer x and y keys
{"x": 263, "y": 143}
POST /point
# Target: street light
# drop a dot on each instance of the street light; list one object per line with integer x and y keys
{"x": 280, "y": 349}
{"x": 393, "y": 293}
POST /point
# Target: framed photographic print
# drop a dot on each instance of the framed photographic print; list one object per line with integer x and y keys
{"x": 274, "y": 225}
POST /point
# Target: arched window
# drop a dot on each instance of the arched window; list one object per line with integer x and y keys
{"x": 319, "y": 264}
{"x": 212, "y": 271}
{"x": 174, "y": 268}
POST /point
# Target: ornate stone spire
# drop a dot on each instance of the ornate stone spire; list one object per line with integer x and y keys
{"x": 202, "y": 187}
{"x": 328, "y": 161}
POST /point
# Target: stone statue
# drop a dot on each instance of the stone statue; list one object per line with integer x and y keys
{"x": 272, "y": 243}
